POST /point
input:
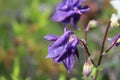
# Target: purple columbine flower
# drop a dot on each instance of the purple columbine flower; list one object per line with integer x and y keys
{"x": 114, "y": 39}
{"x": 63, "y": 49}
{"x": 69, "y": 11}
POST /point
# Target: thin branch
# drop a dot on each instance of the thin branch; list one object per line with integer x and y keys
{"x": 102, "y": 48}
{"x": 84, "y": 28}
{"x": 103, "y": 44}
{"x": 87, "y": 52}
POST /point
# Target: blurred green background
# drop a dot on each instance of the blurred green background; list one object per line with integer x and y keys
{"x": 24, "y": 23}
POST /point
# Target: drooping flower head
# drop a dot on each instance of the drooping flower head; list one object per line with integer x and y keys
{"x": 69, "y": 11}
{"x": 63, "y": 49}
{"x": 112, "y": 40}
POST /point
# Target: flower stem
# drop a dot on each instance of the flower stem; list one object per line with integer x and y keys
{"x": 87, "y": 52}
{"x": 85, "y": 43}
{"x": 102, "y": 49}
{"x": 84, "y": 29}
{"x": 96, "y": 74}
{"x": 103, "y": 44}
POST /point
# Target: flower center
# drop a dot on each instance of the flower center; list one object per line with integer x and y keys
{"x": 71, "y": 38}
{"x": 75, "y": 8}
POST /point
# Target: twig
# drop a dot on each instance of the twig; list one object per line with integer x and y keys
{"x": 102, "y": 48}
{"x": 85, "y": 32}
{"x": 103, "y": 44}
{"x": 87, "y": 52}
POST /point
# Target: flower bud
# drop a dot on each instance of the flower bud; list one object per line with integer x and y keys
{"x": 91, "y": 24}
{"x": 87, "y": 68}
{"x": 114, "y": 20}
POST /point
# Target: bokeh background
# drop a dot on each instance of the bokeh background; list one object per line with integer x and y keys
{"x": 24, "y": 23}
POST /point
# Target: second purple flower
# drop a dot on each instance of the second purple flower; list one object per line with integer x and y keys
{"x": 69, "y": 11}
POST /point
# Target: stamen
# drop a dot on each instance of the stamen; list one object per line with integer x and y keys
{"x": 71, "y": 38}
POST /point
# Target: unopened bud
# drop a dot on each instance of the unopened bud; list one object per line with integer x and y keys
{"x": 91, "y": 24}
{"x": 114, "y": 20}
{"x": 87, "y": 68}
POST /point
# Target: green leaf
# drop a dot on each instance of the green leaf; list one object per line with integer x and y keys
{"x": 16, "y": 70}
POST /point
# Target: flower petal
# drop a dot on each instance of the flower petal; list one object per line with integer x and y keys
{"x": 114, "y": 38}
{"x": 62, "y": 40}
{"x": 51, "y": 37}
{"x": 75, "y": 42}
{"x": 75, "y": 20}
{"x": 61, "y": 6}
{"x": 54, "y": 52}
{"x": 80, "y": 3}
{"x": 69, "y": 62}
{"x": 62, "y": 54}
{"x": 60, "y": 16}
{"x": 84, "y": 9}
{"x": 66, "y": 4}
{"x": 73, "y": 2}
{"x": 67, "y": 20}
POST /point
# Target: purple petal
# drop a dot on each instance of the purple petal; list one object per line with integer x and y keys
{"x": 75, "y": 42}
{"x": 60, "y": 16}
{"x": 62, "y": 54}
{"x": 65, "y": 29}
{"x": 67, "y": 20}
{"x": 75, "y": 20}
{"x": 73, "y": 2}
{"x": 66, "y": 4}
{"x": 118, "y": 43}
{"x": 61, "y": 6}
{"x": 69, "y": 62}
{"x": 80, "y": 2}
{"x": 51, "y": 37}
{"x": 62, "y": 40}
{"x": 113, "y": 39}
{"x": 84, "y": 9}
{"x": 54, "y": 52}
